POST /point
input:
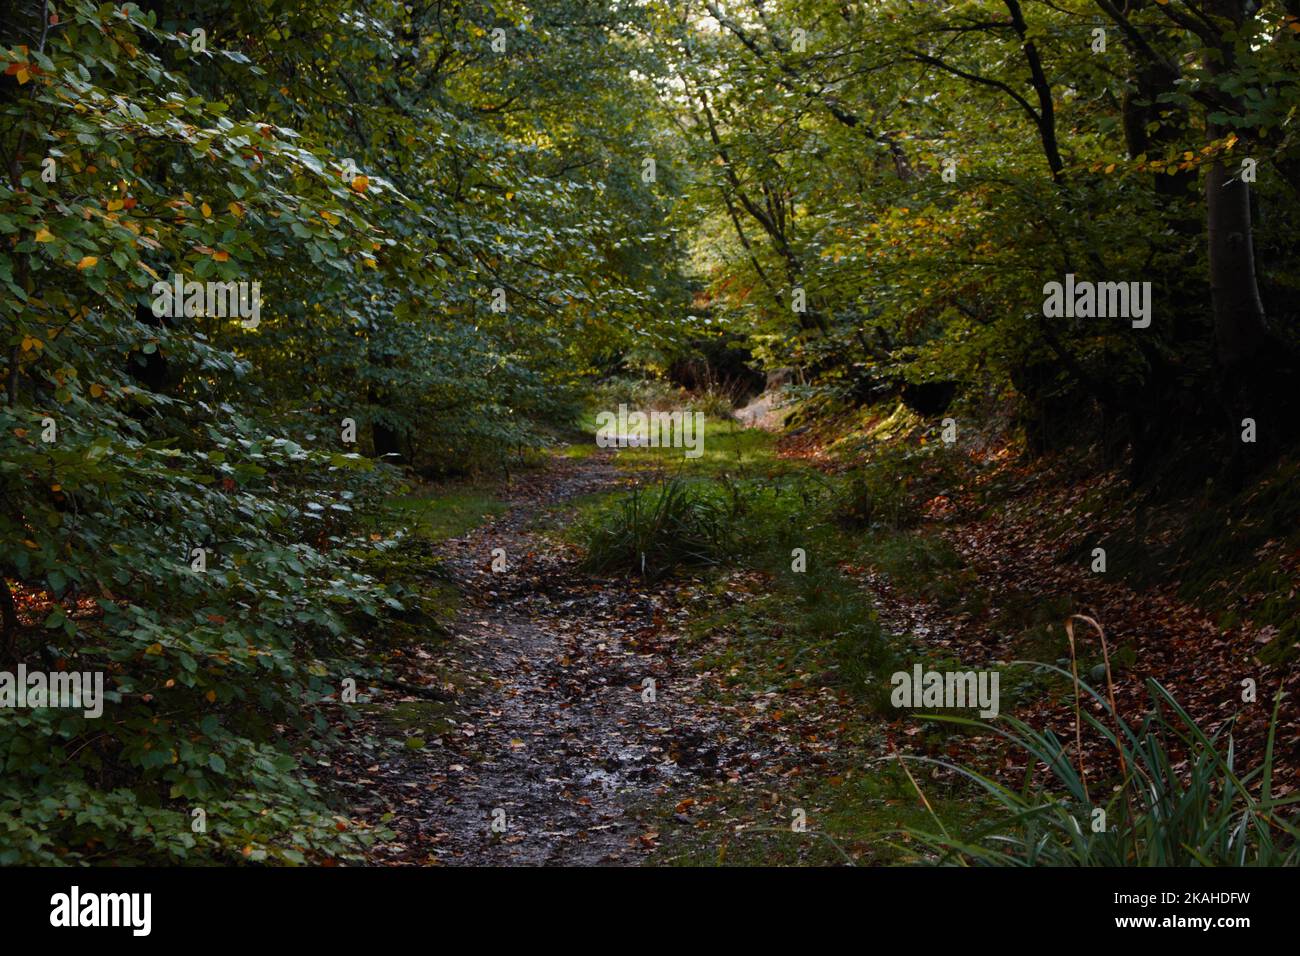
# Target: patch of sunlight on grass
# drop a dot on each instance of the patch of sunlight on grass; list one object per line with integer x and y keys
{"x": 728, "y": 447}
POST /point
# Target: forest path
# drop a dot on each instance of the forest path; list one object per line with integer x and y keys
{"x": 552, "y": 725}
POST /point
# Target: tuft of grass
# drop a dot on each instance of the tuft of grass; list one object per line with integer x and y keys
{"x": 654, "y": 531}
{"x": 1180, "y": 799}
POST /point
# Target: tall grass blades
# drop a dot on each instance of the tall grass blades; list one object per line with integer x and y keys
{"x": 1180, "y": 801}
{"x": 652, "y": 532}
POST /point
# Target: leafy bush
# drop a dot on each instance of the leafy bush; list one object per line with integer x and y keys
{"x": 638, "y": 394}
{"x": 130, "y": 438}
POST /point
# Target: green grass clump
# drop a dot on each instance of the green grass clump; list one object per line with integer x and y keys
{"x": 1180, "y": 799}
{"x": 654, "y": 531}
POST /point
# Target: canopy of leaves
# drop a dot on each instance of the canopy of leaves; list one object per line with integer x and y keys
{"x": 443, "y": 210}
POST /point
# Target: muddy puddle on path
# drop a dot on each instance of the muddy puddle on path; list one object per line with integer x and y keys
{"x": 551, "y": 726}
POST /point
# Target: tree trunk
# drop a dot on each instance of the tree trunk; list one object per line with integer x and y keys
{"x": 1240, "y": 329}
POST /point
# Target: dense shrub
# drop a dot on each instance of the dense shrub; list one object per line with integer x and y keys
{"x": 383, "y": 217}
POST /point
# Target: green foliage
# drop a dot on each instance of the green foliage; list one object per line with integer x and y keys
{"x": 379, "y": 209}
{"x": 921, "y": 170}
{"x": 1181, "y": 800}
{"x": 653, "y": 531}
{"x": 890, "y": 490}
{"x": 449, "y": 238}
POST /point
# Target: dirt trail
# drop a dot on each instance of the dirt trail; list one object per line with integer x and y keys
{"x": 551, "y": 727}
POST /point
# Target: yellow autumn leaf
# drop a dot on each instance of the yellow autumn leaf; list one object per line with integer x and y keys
{"x": 96, "y": 390}
{"x": 360, "y": 183}
{"x": 221, "y": 256}
{"x": 87, "y": 262}
{"x": 22, "y": 76}
{"x": 154, "y": 649}
{"x": 371, "y": 262}
{"x": 329, "y": 217}
{"x": 206, "y": 210}
{"x": 236, "y": 210}
{"x": 1110, "y": 169}
{"x": 211, "y": 696}
{"x": 114, "y": 205}
{"x": 44, "y": 235}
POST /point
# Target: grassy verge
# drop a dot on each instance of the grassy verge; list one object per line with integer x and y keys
{"x": 859, "y": 814}
{"x": 786, "y": 560}
{"x": 773, "y": 547}
{"x": 434, "y": 513}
